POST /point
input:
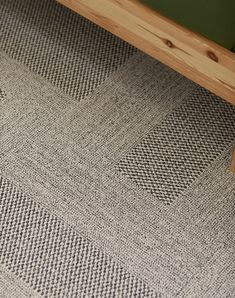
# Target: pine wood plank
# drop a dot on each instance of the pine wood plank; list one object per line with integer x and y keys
{"x": 233, "y": 162}
{"x": 192, "y": 55}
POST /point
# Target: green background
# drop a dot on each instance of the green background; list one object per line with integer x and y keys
{"x": 214, "y": 19}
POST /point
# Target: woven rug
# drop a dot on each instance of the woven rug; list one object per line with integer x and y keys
{"x": 114, "y": 169}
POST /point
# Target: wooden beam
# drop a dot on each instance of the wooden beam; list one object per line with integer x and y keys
{"x": 191, "y": 54}
{"x": 233, "y": 162}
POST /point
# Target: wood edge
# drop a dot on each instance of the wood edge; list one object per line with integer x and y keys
{"x": 195, "y": 36}
{"x": 219, "y": 88}
{"x": 233, "y": 162}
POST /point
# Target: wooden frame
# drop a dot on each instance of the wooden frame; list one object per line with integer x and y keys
{"x": 194, "y": 56}
{"x": 233, "y": 162}
{"x": 191, "y": 54}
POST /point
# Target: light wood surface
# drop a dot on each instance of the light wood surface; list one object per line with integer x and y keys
{"x": 233, "y": 162}
{"x": 194, "y": 56}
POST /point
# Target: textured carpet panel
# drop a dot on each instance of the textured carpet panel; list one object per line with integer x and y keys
{"x": 13, "y": 287}
{"x": 47, "y": 254}
{"x": 99, "y": 130}
{"x": 217, "y": 280}
{"x": 63, "y": 154}
{"x": 71, "y": 52}
{"x": 181, "y": 146}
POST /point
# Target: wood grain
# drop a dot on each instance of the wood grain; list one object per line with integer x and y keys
{"x": 233, "y": 162}
{"x": 191, "y": 54}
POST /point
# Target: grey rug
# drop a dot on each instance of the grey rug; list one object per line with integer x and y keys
{"x": 115, "y": 177}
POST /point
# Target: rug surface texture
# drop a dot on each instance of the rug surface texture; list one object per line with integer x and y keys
{"x": 114, "y": 169}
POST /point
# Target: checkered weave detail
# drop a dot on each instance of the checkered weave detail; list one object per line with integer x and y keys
{"x": 49, "y": 255}
{"x": 60, "y": 45}
{"x": 177, "y": 151}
